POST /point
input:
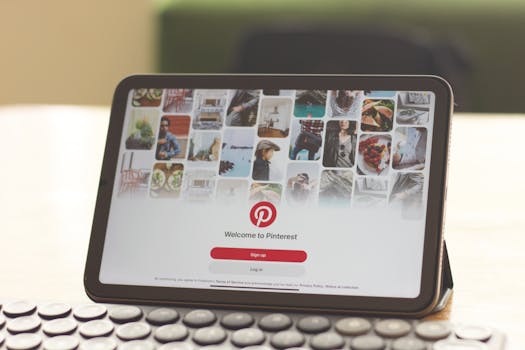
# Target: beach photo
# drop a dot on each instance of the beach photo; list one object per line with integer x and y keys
{"x": 141, "y": 129}
{"x": 274, "y": 118}
{"x": 242, "y": 109}
{"x": 335, "y": 188}
{"x": 302, "y": 183}
{"x": 166, "y": 180}
{"x": 410, "y": 148}
{"x": 237, "y": 152}
{"x": 210, "y": 109}
{"x": 172, "y": 140}
{"x": 178, "y": 101}
{"x": 306, "y": 139}
{"x": 310, "y": 103}
{"x": 204, "y": 148}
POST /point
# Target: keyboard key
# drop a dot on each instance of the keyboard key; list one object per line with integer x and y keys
{"x": 408, "y": 343}
{"x": 137, "y": 345}
{"x": 162, "y": 316}
{"x": 275, "y": 322}
{"x": 89, "y": 312}
{"x": 247, "y": 337}
{"x": 353, "y": 326}
{"x": 209, "y": 335}
{"x": 177, "y": 346}
{"x": 99, "y": 344}
{"x": 24, "y": 324}
{"x": 54, "y": 310}
{"x": 459, "y": 344}
{"x": 392, "y": 328}
{"x": 123, "y": 314}
{"x": 96, "y": 328}
{"x": 433, "y": 330}
{"x": 19, "y": 308}
{"x": 171, "y": 332}
{"x": 327, "y": 341}
{"x": 62, "y": 342}
{"x": 258, "y": 347}
{"x": 60, "y": 326}
{"x": 473, "y": 332}
{"x": 237, "y": 320}
{"x": 133, "y": 331}
{"x": 23, "y": 341}
{"x": 199, "y": 318}
{"x": 287, "y": 339}
{"x": 367, "y": 342}
{"x": 313, "y": 324}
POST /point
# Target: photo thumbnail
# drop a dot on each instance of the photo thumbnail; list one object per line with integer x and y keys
{"x": 232, "y": 191}
{"x": 135, "y": 171}
{"x": 173, "y": 137}
{"x": 377, "y": 115}
{"x": 370, "y": 191}
{"x": 373, "y": 154}
{"x": 407, "y": 194}
{"x": 310, "y": 103}
{"x": 270, "y": 192}
{"x": 335, "y": 188}
{"x": 270, "y": 160}
{"x": 410, "y": 148}
{"x": 345, "y": 103}
{"x": 178, "y": 101}
{"x": 205, "y": 148}
{"x": 274, "y": 118}
{"x": 198, "y": 184}
{"x": 140, "y": 134}
{"x": 242, "y": 110}
{"x": 209, "y": 113}
{"x": 340, "y": 143}
{"x": 302, "y": 181}
{"x": 146, "y": 97}
{"x": 166, "y": 180}
{"x": 306, "y": 139}
{"x": 413, "y": 108}
{"x": 237, "y": 152}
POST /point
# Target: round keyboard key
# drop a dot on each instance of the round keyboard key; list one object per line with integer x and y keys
{"x": 137, "y": 345}
{"x": 62, "y": 342}
{"x": 177, "y": 346}
{"x": 275, "y": 322}
{"x": 353, "y": 326}
{"x": 209, "y": 335}
{"x": 96, "y": 328}
{"x": 327, "y": 341}
{"x": 99, "y": 344}
{"x": 133, "y": 330}
{"x": 53, "y": 310}
{"x": 237, "y": 320}
{"x": 199, "y": 318}
{"x": 60, "y": 326}
{"x": 258, "y": 347}
{"x": 367, "y": 342}
{"x": 2, "y": 321}
{"x": 24, "y": 324}
{"x": 392, "y": 328}
{"x": 408, "y": 343}
{"x": 23, "y": 341}
{"x": 89, "y": 312}
{"x": 433, "y": 330}
{"x": 287, "y": 339}
{"x": 313, "y": 324}
{"x": 247, "y": 337}
{"x": 473, "y": 332}
{"x": 123, "y": 314}
{"x": 162, "y": 316}
{"x": 2, "y": 338}
{"x": 19, "y": 308}
{"x": 171, "y": 332}
{"x": 459, "y": 344}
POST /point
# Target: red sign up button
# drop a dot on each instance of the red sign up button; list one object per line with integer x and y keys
{"x": 222, "y": 253}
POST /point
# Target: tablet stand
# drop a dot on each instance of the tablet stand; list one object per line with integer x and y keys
{"x": 446, "y": 282}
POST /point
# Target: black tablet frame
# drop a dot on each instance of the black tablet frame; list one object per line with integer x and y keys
{"x": 433, "y": 244}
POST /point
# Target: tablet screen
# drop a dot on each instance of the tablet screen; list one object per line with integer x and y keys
{"x": 296, "y": 191}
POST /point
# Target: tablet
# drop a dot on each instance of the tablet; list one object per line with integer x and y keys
{"x": 298, "y": 192}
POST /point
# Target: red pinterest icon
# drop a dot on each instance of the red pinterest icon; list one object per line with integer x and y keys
{"x": 263, "y": 214}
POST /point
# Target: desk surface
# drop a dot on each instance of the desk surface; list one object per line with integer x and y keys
{"x": 51, "y": 158}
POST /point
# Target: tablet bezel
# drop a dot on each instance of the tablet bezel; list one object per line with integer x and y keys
{"x": 433, "y": 244}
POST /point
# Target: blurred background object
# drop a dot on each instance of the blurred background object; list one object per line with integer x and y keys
{"x": 76, "y": 52}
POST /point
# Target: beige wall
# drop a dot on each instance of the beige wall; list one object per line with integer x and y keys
{"x": 72, "y": 52}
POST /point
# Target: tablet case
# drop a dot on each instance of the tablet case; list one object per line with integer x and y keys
{"x": 447, "y": 283}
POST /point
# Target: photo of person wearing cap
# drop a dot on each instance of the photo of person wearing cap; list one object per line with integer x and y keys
{"x": 264, "y": 152}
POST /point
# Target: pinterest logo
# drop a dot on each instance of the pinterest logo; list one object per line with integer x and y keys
{"x": 263, "y": 214}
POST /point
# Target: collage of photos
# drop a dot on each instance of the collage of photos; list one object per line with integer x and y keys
{"x": 300, "y": 147}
